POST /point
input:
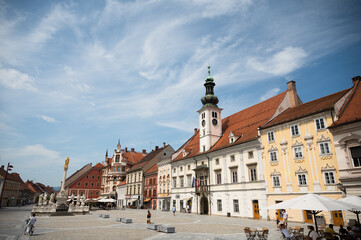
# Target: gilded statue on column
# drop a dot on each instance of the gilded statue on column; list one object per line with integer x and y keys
{"x": 66, "y": 162}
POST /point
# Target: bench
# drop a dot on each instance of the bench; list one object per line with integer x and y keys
{"x": 118, "y": 219}
{"x": 153, "y": 226}
{"x": 126, "y": 220}
{"x": 105, "y": 216}
{"x": 167, "y": 229}
{"x": 100, "y": 215}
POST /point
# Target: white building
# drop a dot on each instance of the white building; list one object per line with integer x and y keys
{"x": 121, "y": 191}
{"x": 164, "y": 181}
{"x": 219, "y": 170}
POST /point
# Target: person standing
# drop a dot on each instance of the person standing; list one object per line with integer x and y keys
{"x": 277, "y": 219}
{"x": 173, "y": 210}
{"x": 188, "y": 208}
{"x": 149, "y": 215}
{"x": 285, "y": 217}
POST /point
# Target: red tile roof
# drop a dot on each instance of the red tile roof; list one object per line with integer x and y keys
{"x": 307, "y": 109}
{"x": 153, "y": 169}
{"x": 23, "y": 186}
{"x": 243, "y": 124}
{"x": 351, "y": 110}
{"x": 134, "y": 157}
{"x": 122, "y": 183}
{"x": 10, "y": 177}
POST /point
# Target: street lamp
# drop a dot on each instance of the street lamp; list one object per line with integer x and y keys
{"x": 341, "y": 187}
{"x": 9, "y": 167}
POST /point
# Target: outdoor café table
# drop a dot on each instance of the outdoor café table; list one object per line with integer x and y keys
{"x": 256, "y": 232}
{"x": 294, "y": 232}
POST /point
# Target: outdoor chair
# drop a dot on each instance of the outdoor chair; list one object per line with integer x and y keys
{"x": 264, "y": 234}
{"x": 250, "y": 235}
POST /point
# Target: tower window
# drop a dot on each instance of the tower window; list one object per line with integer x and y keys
{"x": 214, "y": 114}
{"x": 203, "y": 115}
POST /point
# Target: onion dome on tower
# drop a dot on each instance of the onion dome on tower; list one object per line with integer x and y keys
{"x": 209, "y": 99}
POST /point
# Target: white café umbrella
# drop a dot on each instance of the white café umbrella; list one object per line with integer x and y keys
{"x": 313, "y": 203}
{"x": 107, "y": 200}
{"x": 355, "y": 203}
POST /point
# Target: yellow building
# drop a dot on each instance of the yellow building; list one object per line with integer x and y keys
{"x": 299, "y": 155}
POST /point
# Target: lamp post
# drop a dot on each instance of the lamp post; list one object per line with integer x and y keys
{"x": 342, "y": 188}
{"x": 9, "y": 167}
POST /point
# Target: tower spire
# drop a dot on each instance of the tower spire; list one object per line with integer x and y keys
{"x": 209, "y": 99}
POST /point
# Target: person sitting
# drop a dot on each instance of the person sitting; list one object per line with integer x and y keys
{"x": 312, "y": 234}
{"x": 342, "y": 232}
{"x": 330, "y": 234}
{"x": 285, "y": 232}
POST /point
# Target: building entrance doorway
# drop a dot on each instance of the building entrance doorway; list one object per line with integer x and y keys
{"x": 255, "y": 209}
{"x": 337, "y": 218}
{"x": 204, "y": 205}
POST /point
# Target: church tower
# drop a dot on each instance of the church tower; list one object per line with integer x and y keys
{"x": 210, "y": 121}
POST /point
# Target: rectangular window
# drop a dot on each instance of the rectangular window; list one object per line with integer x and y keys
{"x": 253, "y": 174}
{"x": 356, "y": 156}
{"x": 250, "y": 155}
{"x": 232, "y": 158}
{"x": 320, "y": 123}
{"x": 235, "y": 205}
{"x": 324, "y": 148}
{"x": 234, "y": 174}
{"x": 117, "y": 158}
{"x": 189, "y": 180}
{"x": 276, "y": 181}
{"x": 298, "y": 152}
{"x": 218, "y": 177}
{"x": 181, "y": 180}
{"x": 302, "y": 180}
{"x": 271, "y": 137}
{"x": 219, "y": 205}
{"x": 174, "y": 182}
{"x": 294, "y": 130}
{"x": 217, "y": 161}
{"x": 329, "y": 177}
{"x": 273, "y": 156}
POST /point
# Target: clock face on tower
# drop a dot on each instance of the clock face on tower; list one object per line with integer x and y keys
{"x": 203, "y": 123}
{"x": 215, "y": 122}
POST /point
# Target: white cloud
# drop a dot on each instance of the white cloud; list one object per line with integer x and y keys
{"x": 180, "y": 125}
{"x": 12, "y": 78}
{"x": 32, "y": 156}
{"x": 47, "y": 119}
{"x": 281, "y": 63}
{"x": 270, "y": 93}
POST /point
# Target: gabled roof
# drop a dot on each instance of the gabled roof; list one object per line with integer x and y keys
{"x": 75, "y": 176}
{"x": 123, "y": 183}
{"x": 243, "y": 124}
{"x": 23, "y": 186}
{"x": 99, "y": 165}
{"x": 307, "y": 109}
{"x": 134, "y": 157}
{"x": 351, "y": 110}
{"x": 10, "y": 177}
{"x": 153, "y": 169}
{"x": 33, "y": 187}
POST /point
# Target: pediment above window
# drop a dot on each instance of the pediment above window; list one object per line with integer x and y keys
{"x": 275, "y": 173}
{"x": 323, "y": 139}
{"x": 301, "y": 170}
{"x": 297, "y": 143}
{"x": 328, "y": 168}
{"x": 272, "y": 148}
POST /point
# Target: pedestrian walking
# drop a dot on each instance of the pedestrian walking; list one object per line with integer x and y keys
{"x": 277, "y": 219}
{"x": 173, "y": 210}
{"x": 149, "y": 215}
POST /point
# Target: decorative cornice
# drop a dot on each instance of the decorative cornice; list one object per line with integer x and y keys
{"x": 297, "y": 143}
{"x": 301, "y": 170}
{"x": 328, "y": 168}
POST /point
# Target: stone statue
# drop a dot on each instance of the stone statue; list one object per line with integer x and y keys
{"x": 66, "y": 162}
{"x": 45, "y": 199}
{"x": 78, "y": 200}
{"x": 52, "y": 199}
{"x": 82, "y": 201}
{"x": 40, "y": 201}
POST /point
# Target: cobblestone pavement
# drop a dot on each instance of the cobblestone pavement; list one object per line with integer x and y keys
{"x": 187, "y": 226}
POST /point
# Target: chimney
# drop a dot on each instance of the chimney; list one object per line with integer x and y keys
{"x": 355, "y": 80}
{"x": 144, "y": 151}
{"x": 195, "y": 131}
{"x": 156, "y": 148}
{"x": 292, "y": 94}
{"x": 164, "y": 144}
{"x": 132, "y": 149}
{"x": 126, "y": 149}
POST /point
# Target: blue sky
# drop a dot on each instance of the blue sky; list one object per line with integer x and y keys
{"x": 76, "y": 76}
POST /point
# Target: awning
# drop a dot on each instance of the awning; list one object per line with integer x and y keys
{"x": 147, "y": 200}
